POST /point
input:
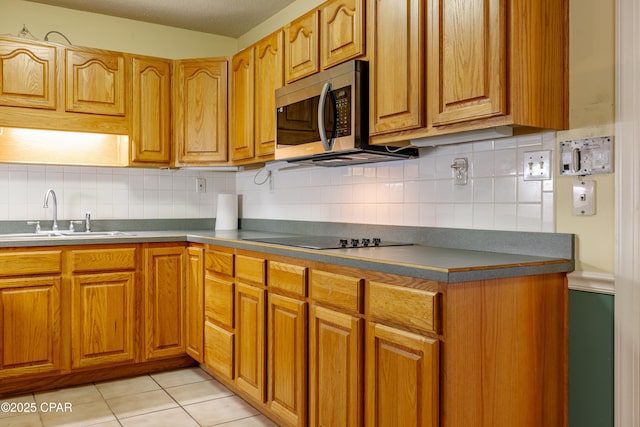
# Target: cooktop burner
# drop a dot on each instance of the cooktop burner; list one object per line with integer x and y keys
{"x": 327, "y": 242}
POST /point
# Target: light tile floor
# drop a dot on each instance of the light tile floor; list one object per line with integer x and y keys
{"x": 181, "y": 398}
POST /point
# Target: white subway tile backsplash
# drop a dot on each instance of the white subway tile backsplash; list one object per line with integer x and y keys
{"x": 418, "y": 192}
{"x": 108, "y": 193}
{"x": 413, "y": 192}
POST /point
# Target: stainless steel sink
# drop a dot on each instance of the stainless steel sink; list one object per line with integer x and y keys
{"x": 93, "y": 233}
{"x": 27, "y": 235}
{"x": 64, "y": 233}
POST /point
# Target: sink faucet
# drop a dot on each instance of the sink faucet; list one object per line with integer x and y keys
{"x": 55, "y": 207}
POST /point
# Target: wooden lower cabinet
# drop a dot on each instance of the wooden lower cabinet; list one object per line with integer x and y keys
{"x": 194, "y": 303}
{"x": 250, "y": 352}
{"x": 335, "y": 368}
{"x": 103, "y": 318}
{"x": 219, "y": 312}
{"x": 164, "y": 295}
{"x": 401, "y": 385}
{"x": 30, "y": 325}
{"x": 287, "y": 358}
{"x": 103, "y": 305}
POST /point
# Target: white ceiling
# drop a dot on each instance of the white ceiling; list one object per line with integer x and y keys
{"x": 230, "y": 18}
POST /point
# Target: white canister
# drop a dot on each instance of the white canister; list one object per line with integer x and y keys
{"x": 227, "y": 215}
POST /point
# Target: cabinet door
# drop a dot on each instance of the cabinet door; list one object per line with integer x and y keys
{"x": 269, "y": 72}
{"x": 200, "y": 111}
{"x": 29, "y": 325}
{"x": 102, "y": 319}
{"x": 335, "y": 368}
{"x": 151, "y": 104}
{"x": 396, "y": 31}
{"x": 342, "y": 31}
{"x": 95, "y": 82}
{"x": 27, "y": 75}
{"x": 468, "y": 66}
{"x": 287, "y": 358}
{"x": 194, "y": 303}
{"x": 250, "y": 340}
{"x": 301, "y": 42}
{"x": 164, "y": 302}
{"x": 241, "y": 118}
{"x": 401, "y": 378}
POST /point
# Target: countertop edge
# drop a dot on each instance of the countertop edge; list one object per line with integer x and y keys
{"x": 425, "y": 271}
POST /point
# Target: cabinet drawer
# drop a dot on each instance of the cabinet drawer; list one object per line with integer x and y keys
{"x": 337, "y": 290}
{"x": 103, "y": 259}
{"x": 288, "y": 277}
{"x": 218, "y": 350}
{"x": 33, "y": 262}
{"x": 218, "y": 301}
{"x": 219, "y": 262}
{"x": 250, "y": 269}
{"x": 414, "y": 308}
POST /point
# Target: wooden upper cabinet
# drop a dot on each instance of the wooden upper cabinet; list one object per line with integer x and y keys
{"x": 241, "y": 130}
{"x": 200, "y": 111}
{"x": 95, "y": 82}
{"x": 342, "y": 31}
{"x": 151, "y": 111}
{"x": 301, "y": 43}
{"x": 269, "y": 73}
{"x": 396, "y": 65}
{"x": 27, "y": 74}
{"x": 467, "y": 60}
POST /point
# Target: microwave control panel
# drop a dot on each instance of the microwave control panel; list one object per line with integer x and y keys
{"x": 342, "y": 98}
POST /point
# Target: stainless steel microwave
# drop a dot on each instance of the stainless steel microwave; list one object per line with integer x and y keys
{"x": 323, "y": 119}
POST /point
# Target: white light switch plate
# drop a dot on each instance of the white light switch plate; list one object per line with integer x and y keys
{"x": 537, "y": 165}
{"x": 584, "y": 197}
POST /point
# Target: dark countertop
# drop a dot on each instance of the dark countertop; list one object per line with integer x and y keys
{"x": 418, "y": 260}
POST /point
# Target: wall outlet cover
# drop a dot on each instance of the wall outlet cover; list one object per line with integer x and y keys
{"x": 584, "y": 197}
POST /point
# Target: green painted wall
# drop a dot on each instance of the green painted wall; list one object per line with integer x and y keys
{"x": 591, "y": 375}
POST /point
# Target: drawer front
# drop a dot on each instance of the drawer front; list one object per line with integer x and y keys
{"x": 219, "y": 301}
{"x": 31, "y": 262}
{"x": 219, "y": 262}
{"x": 103, "y": 259}
{"x": 251, "y": 270}
{"x": 288, "y": 277}
{"x": 414, "y": 308}
{"x": 337, "y": 290}
{"x": 218, "y": 350}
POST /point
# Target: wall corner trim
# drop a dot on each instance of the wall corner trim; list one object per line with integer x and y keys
{"x": 587, "y": 281}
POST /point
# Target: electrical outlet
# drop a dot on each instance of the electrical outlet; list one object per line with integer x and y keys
{"x": 537, "y": 165}
{"x": 201, "y": 185}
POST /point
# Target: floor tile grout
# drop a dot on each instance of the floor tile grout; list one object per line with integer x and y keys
{"x": 219, "y": 391}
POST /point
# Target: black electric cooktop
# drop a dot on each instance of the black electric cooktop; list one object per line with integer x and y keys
{"x": 327, "y": 242}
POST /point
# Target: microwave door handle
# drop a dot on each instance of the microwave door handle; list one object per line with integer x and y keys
{"x": 326, "y": 143}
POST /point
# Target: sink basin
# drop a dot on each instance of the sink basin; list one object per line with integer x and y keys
{"x": 92, "y": 233}
{"x": 64, "y": 233}
{"x": 27, "y": 235}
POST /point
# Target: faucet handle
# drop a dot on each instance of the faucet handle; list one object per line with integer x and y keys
{"x": 72, "y": 226}
{"x": 36, "y": 223}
